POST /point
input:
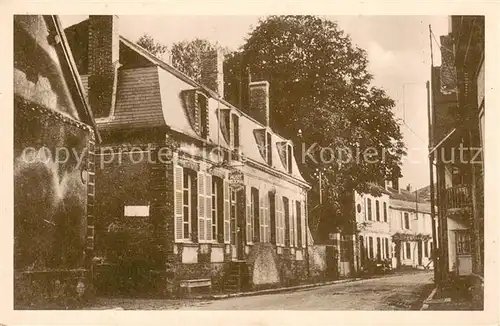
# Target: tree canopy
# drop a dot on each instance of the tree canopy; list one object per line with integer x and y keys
{"x": 153, "y": 46}
{"x": 321, "y": 97}
{"x": 321, "y": 93}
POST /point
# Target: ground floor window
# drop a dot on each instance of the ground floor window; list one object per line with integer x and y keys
{"x": 408, "y": 250}
{"x": 387, "y": 252}
{"x": 463, "y": 242}
{"x": 370, "y": 245}
{"x": 233, "y": 217}
{"x": 426, "y": 249}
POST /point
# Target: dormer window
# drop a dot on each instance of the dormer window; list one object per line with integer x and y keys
{"x": 195, "y": 104}
{"x": 285, "y": 151}
{"x": 235, "y": 130}
{"x": 230, "y": 127}
{"x": 264, "y": 142}
{"x": 269, "y": 152}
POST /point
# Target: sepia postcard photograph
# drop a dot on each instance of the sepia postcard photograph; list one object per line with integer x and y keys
{"x": 250, "y": 162}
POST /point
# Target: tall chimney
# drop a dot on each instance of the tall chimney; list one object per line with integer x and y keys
{"x": 259, "y": 101}
{"x": 211, "y": 70}
{"x": 103, "y": 63}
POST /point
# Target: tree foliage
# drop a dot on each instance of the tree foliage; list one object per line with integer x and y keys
{"x": 153, "y": 46}
{"x": 321, "y": 93}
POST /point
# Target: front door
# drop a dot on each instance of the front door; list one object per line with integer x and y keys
{"x": 419, "y": 253}
{"x": 236, "y": 224}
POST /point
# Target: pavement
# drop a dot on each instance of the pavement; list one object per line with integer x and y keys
{"x": 402, "y": 291}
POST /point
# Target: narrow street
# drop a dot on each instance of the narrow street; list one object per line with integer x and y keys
{"x": 404, "y": 291}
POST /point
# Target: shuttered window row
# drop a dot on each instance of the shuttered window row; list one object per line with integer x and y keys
{"x": 196, "y": 200}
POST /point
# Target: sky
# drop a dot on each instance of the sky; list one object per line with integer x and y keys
{"x": 398, "y": 52}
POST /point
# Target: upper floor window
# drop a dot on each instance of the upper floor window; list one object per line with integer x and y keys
{"x": 406, "y": 221}
{"x": 385, "y": 212}
{"x": 264, "y": 144}
{"x": 377, "y": 210}
{"x": 195, "y": 104}
{"x": 369, "y": 208}
{"x": 235, "y": 130}
{"x": 269, "y": 152}
{"x": 285, "y": 151}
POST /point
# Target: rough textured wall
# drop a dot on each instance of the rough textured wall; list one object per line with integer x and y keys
{"x": 317, "y": 260}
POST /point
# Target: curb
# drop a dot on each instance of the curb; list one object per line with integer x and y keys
{"x": 425, "y": 305}
{"x": 272, "y": 291}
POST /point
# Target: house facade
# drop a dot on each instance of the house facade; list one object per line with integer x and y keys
{"x": 458, "y": 111}
{"x": 54, "y": 141}
{"x": 411, "y": 229}
{"x": 374, "y": 236}
{"x": 189, "y": 188}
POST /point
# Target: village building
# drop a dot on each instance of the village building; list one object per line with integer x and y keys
{"x": 374, "y": 231}
{"x": 191, "y": 191}
{"x": 458, "y": 106}
{"x": 411, "y": 230}
{"x": 54, "y": 140}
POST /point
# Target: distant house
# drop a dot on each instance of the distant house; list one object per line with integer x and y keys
{"x": 54, "y": 140}
{"x": 373, "y": 219}
{"x": 411, "y": 229}
{"x": 203, "y": 193}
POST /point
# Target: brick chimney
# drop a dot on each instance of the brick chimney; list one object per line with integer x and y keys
{"x": 211, "y": 70}
{"x": 103, "y": 63}
{"x": 259, "y": 101}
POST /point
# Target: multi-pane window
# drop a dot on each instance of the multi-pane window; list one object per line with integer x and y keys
{"x": 217, "y": 208}
{"x": 385, "y": 212}
{"x": 377, "y": 210}
{"x": 369, "y": 207}
{"x": 254, "y": 209}
{"x": 463, "y": 242}
{"x": 233, "y": 216}
{"x": 187, "y": 205}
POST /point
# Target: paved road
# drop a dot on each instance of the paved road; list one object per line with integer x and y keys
{"x": 395, "y": 292}
{"x": 400, "y": 292}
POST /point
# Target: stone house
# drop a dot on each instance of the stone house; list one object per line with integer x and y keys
{"x": 190, "y": 189}
{"x": 54, "y": 140}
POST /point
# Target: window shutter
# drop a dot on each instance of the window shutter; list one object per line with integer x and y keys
{"x": 178, "y": 202}
{"x": 303, "y": 222}
{"x": 268, "y": 218}
{"x": 249, "y": 216}
{"x": 282, "y": 220}
{"x": 201, "y": 207}
{"x": 291, "y": 217}
{"x": 208, "y": 206}
{"x": 262, "y": 219}
{"x": 227, "y": 210}
{"x": 278, "y": 219}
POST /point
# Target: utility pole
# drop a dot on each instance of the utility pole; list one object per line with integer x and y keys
{"x": 436, "y": 261}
